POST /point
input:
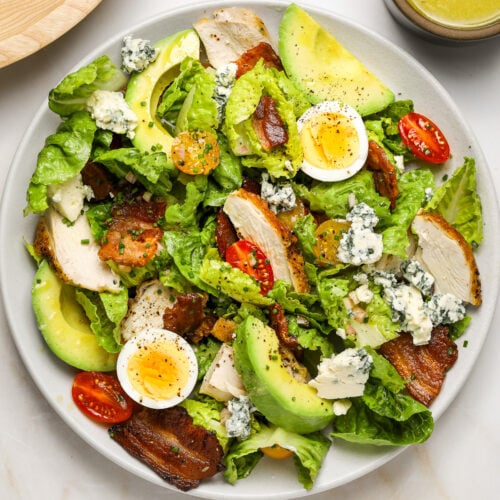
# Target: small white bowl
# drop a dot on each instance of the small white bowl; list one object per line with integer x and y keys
{"x": 407, "y": 15}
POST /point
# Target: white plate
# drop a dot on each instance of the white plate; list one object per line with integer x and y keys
{"x": 270, "y": 479}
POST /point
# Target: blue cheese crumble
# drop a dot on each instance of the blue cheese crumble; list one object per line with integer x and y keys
{"x": 415, "y": 274}
{"x": 343, "y": 375}
{"x": 408, "y": 309}
{"x": 445, "y": 309}
{"x": 137, "y": 54}
{"x": 279, "y": 196}
{"x": 224, "y": 81}
{"x": 111, "y": 112}
{"x": 360, "y": 244}
{"x": 239, "y": 423}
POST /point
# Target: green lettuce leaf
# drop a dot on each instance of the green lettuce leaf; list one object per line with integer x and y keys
{"x": 384, "y": 415}
{"x": 309, "y": 450}
{"x": 63, "y": 156}
{"x": 458, "y": 202}
{"x": 228, "y": 280}
{"x": 394, "y": 226}
{"x": 72, "y": 93}
{"x": 280, "y": 161}
{"x": 188, "y": 104}
{"x": 333, "y": 197}
{"x": 153, "y": 170}
{"x": 185, "y": 214}
{"x": 105, "y": 311}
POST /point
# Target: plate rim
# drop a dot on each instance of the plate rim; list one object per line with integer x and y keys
{"x": 42, "y": 110}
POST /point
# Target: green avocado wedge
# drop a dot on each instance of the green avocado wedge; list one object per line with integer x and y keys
{"x": 64, "y": 326}
{"x": 144, "y": 89}
{"x": 324, "y": 69}
{"x": 283, "y": 400}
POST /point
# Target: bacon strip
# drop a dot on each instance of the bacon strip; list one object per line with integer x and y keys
{"x": 187, "y": 316}
{"x": 423, "y": 367}
{"x": 268, "y": 125}
{"x": 252, "y": 56}
{"x": 225, "y": 234}
{"x": 384, "y": 173}
{"x": 98, "y": 178}
{"x": 133, "y": 236}
{"x": 278, "y": 322}
{"x": 181, "y": 453}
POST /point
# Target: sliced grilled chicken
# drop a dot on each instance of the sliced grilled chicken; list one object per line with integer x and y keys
{"x": 147, "y": 308}
{"x": 444, "y": 253}
{"x": 230, "y": 33}
{"x": 222, "y": 381}
{"x": 254, "y": 221}
{"x": 73, "y": 253}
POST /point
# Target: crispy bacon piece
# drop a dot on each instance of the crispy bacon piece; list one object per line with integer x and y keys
{"x": 225, "y": 234}
{"x": 268, "y": 125}
{"x": 423, "y": 367}
{"x": 133, "y": 236}
{"x": 181, "y": 453}
{"x": 278, "y": 322}
{"x": 186, "y": 314}
{"x": 252, "y": 56}
{"x": 97, "y": 177}
{"x": 384, "y": 173}
{"x": 251, "y": 185}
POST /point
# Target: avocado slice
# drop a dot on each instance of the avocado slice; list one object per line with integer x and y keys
{"x": 64, "y": 325}
{"x": 144, "y": 89}
{"x": 324, "y": 69}
{"x": 283, "y": 400}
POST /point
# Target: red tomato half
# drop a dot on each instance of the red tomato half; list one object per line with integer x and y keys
{"x": 101, "y": 397}
{"x": 250, "y": 259}
{"x": 423, "y": 138}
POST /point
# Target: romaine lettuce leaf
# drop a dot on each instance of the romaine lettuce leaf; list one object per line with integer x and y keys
{"x": 105, "y": 311}
{"x": 153, "y": 170}
{"x": 221, "y": 276}
{"x": 72, "y": 93}
{"x": 394, "y": 226}
{"x": 188, "y": 104}
{"x": 333, "y": 197}
{"x": 458, "y": 202}
{"x": 63, "y": 156}
{"x": 308, "y": 453}
{"x": 281, "y": 161}
{"x": 384, "y": 415}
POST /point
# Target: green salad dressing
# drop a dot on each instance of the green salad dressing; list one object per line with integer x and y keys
{"x": 466, "y": 14}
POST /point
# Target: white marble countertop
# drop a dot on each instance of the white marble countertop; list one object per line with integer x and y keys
{"x": 41, "y": 458}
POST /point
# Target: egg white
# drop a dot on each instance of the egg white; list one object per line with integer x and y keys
{"x": 148, "y": 337}
{"x": 354, "y": 118}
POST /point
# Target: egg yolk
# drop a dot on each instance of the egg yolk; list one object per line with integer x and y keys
{"x": 330, "y": 141}
{"x": 159, "y": 371}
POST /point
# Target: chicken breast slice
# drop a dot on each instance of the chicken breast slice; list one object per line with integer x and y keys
{"x": 230, "y": 33}
{"x": 444, "y": 253}
{"x": 147, "y": 308}
{"x": 254, "y": 221}
{"x": 222, "y": 381}
{"x": 73, "y": 252}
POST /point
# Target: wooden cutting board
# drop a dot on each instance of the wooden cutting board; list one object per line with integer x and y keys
{"x": 28, "y": 25}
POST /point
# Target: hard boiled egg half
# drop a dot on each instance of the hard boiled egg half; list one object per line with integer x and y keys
{"x": 334, "y": 141}
{"x": 157, "y": 368}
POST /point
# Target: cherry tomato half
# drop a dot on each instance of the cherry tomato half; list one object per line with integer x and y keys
{"x": 101, "y": 397}
{"x": 250, "y": 259}
{"x": 328, "y": 235}
{"x": 423, "y": 137}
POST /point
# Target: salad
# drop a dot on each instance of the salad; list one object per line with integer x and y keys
{"x": 242, "y": 257}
